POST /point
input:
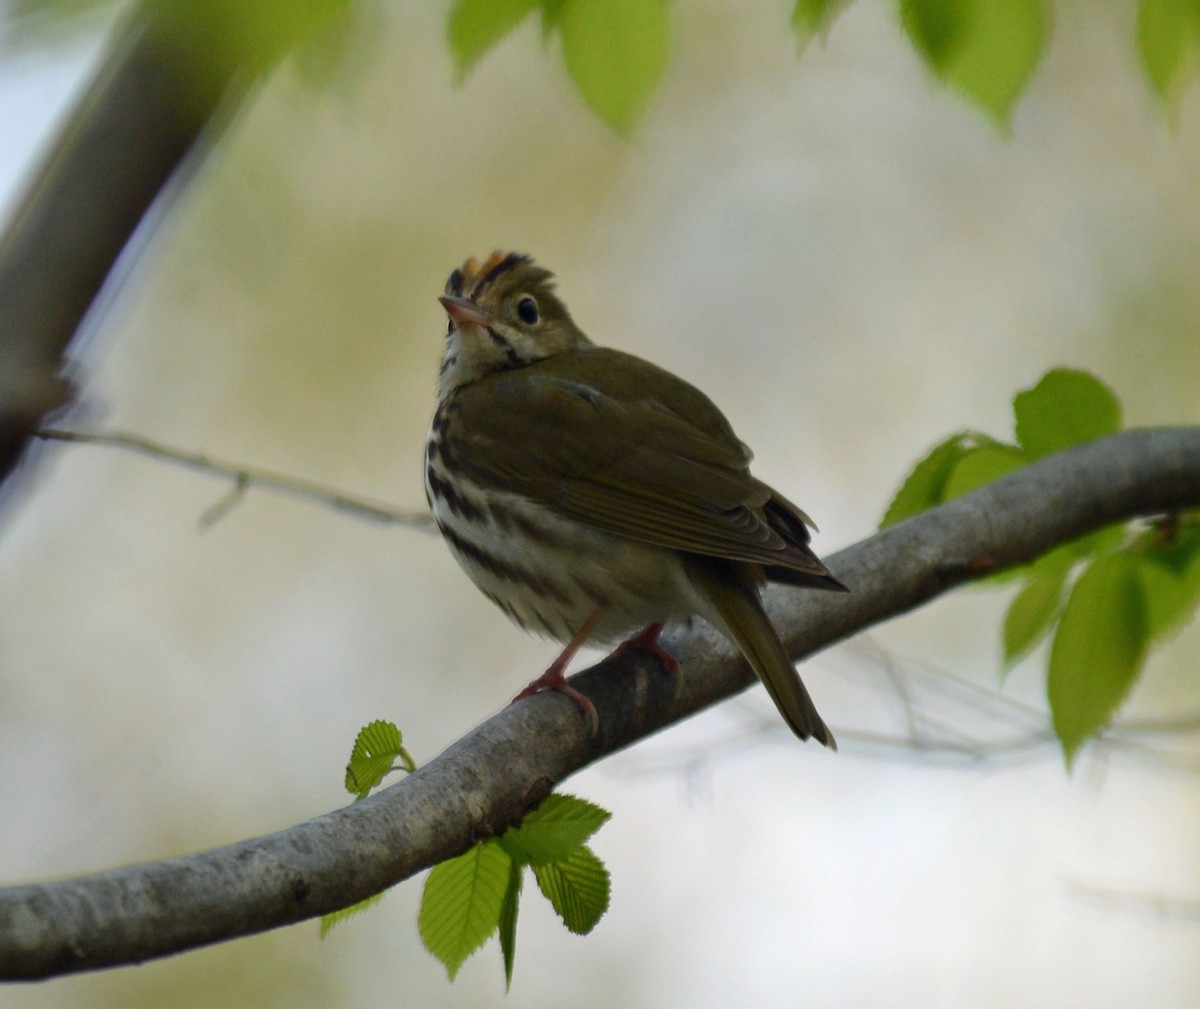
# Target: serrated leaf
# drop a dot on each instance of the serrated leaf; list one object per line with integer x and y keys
{"x": 577, "y": 888}
{"x": 460, "y": 907}
{"x": 475, "y": 26}
{"x": 376, "y": 749}
{"x": 508, "y": 920}
{"x": 923, "y": 487}
{"x": 1098, "y": 650}
{"x": 979, "y": 467}
{"x": 1168, "y": 38}
{"x": 330, "y": 921}
{"x": 1170, "y": 574}
{"x": 1065, "y": 408}
{"x": 986, "y": 49}
{"x": 1032, "y": 613}
{"x": 616, "y": 52}
{"x": 559, "y": 825}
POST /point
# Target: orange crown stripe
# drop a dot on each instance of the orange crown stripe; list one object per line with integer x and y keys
{"x": 472, "y": 269}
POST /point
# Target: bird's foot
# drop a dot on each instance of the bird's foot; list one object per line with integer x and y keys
{"x": 647, "y": 641}
{"x": 553, "y": 679}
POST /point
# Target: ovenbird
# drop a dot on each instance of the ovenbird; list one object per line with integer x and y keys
{"x": 590, "y": 494}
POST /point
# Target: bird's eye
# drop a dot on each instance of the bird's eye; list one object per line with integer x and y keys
{"x": 527, "y": 311}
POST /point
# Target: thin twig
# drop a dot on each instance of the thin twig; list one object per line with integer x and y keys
{"x": 244, "y": 478}
{"x": 937, "y": 706}
{"x": 1160, "y": 905}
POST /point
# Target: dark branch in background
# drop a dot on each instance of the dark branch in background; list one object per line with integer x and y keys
{"x": 172, "y": 77}
{"x": 123, "y": 142}
{"x": 492, "y": 776}
{"x": 244, "y": 478}
{"x": 1161, "y": 906}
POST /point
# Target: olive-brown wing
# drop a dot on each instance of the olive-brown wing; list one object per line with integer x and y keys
{"x": 632, "y": 463}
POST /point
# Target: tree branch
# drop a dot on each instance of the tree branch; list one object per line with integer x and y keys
{"x": 243, "y": 477}
{"x": 169, "y": 83}
{"x": 492, "y": 776}
{"x": 126, "y": 137}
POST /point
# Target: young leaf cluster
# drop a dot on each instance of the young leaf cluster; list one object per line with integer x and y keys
{"x": 616, "y": 51}
{"x": 988, "y": 50}
{"x": 1105, "y": 599}
{"x": 378, "y": 750}
{"x": 469, "y": 898}
{"x": 985, "y": 49}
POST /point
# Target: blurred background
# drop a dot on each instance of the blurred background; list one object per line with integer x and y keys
{"x": 853, "y": 263}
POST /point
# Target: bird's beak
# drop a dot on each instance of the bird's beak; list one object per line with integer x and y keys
{"x": 463, "y": 311}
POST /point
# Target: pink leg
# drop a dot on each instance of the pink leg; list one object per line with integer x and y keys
{"x": 646, "y": 640}
{"x": 554, "y": 679}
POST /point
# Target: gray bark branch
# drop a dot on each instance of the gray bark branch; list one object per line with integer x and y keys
{"x": 491, "y": 777}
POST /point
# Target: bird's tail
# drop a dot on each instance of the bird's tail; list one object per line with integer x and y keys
{"x": 732, "y": 591}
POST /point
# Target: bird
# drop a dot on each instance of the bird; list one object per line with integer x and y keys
{"x": 596, "y": 497}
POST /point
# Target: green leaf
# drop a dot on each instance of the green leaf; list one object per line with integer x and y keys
{"x": 461, "y": 905}
{"x": 981, "y": 466}
{"x": 551, "y": 12}
{"x": 1105, "y": 540}
{"x": 987, "y": 49}
{"x": 330, "y": 921}
{"x": 559, "y": 825}
{"x": 376, "y": 749}
{"x": 1065, "y": 408}
{"x": 923, "y": 488}
{"x": 508, "y": 920}
{"x": 475, "y": 26}
{"x": 937, "y": 28}
{"x": 1065, "y": 556}
{"x": 1061, "y": 558}
{"x": 1032, "y": 613}
{"x": 577, "y": 887}
{"x": 616, "y": 52}
{"x": 1168, "y": 38}
{"x": 812, "y": 17}
{"x": 1098, "y": 649}
{"x": 1170, "y": 570}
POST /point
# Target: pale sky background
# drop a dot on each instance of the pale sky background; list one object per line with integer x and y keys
{"x": 853, "y": 264}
